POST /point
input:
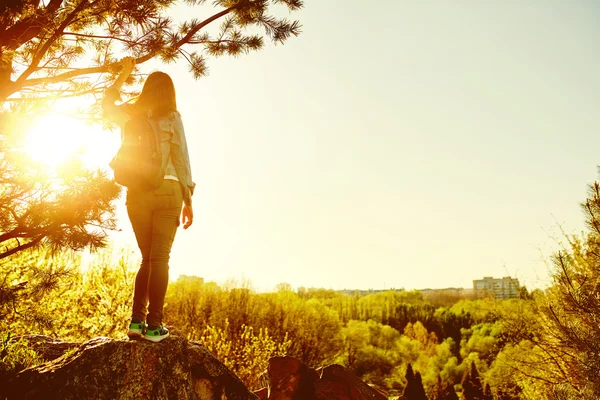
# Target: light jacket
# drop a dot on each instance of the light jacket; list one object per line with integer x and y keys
{"x": 175, "y": 150}
{"x": 173, "y": 142}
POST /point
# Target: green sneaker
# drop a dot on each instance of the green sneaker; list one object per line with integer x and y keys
{"x": 136, "y": 329}
{"x": 156, "y": 334}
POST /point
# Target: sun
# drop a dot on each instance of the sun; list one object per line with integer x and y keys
{"x": 56, "y": 138}
{"x": 53, "y": 139}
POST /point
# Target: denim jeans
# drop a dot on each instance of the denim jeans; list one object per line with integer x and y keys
{"x": 154, "y": 216}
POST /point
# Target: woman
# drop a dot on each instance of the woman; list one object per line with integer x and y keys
{"x": 154, "y": 214}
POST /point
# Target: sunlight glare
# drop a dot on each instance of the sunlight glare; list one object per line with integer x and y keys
{"x": 54, "y": 139}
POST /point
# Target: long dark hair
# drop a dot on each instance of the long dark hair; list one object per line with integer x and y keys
{"x": 158, "y": 96}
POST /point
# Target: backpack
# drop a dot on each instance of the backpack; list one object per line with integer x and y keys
{"x": 138, "y": 162}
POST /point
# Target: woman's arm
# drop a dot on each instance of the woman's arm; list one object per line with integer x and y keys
{"x": 112, "y": 94}
{"x": 181, "y": 161}
{"x": 128, "y": 66}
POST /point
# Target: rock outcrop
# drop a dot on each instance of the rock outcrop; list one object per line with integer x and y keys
{"x": 46, "y": 347}
{"x": 110, "y": 369}
{"x": 104, "y": 368}
{"x": 337, "y": 383}
{"x": 290, "y": 379}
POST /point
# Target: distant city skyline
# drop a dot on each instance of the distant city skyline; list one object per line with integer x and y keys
{"x": 484, "y": 285}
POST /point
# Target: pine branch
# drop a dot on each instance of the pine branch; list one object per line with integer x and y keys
{"x": 22, "y": 247}
{"x": 89, "y": 36}
{"x": 72, "y": 74}
{"x": 20, "y": 232}
{"x": 27, "y": 29}
{"x": 293, "y": 5}
{"x": 108, "y": 67}
{"x": 202, "y": 24}
{"x": 55, "y": 36}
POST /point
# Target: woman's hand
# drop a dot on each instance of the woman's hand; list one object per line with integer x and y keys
{"x": 128, "y": 64}
{"x": 187, "y": 216}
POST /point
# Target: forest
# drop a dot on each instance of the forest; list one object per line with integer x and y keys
{"x": 411, "y": 346}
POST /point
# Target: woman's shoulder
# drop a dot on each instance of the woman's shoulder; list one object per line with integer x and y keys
{"x": 171, "y": 115}
{"x": 175, "y": 114}
{"x": 170, "y": 121}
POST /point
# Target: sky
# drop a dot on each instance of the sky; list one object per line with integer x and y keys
{"x": 393, "y": 144}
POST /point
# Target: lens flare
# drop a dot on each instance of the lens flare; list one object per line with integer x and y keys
{"x": 55, "y": 139}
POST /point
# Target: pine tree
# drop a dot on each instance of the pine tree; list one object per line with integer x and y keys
{"x": 467, "y": 386}
{"x": 419, "y": 390}
{"x": 443, "y": 390}
{"x": 477, "y": 384}
{"x": 471, "y": 383}
{"x": 449, "y": 393}
{"x": 570, "y": 310}
{"x": 487, "y": 393}
{"x": 414, "y": 386}
{"x": 410, "y": 381}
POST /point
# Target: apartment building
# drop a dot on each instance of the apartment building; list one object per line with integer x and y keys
{"x": 499, "y": 288}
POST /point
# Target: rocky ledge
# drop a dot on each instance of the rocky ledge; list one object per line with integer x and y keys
{"x": 175, "y": 368}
